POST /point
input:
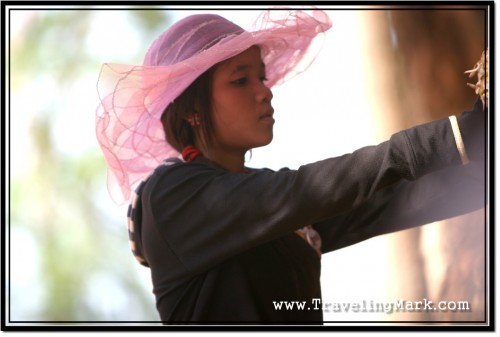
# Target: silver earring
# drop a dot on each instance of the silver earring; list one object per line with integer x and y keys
{"x": 194, "y": 119}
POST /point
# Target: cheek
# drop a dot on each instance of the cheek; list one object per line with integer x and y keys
{"x": 226, "y": 122}
{"x": 230, "y": 110}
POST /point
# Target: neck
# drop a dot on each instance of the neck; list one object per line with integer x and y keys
{"x": 230, "y": 160}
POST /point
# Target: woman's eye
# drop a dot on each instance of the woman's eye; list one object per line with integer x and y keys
{"x": 240, "y": 81}
{"x": 244, "y": 80}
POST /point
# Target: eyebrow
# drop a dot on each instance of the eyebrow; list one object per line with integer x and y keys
{"x": 242, "y": 67}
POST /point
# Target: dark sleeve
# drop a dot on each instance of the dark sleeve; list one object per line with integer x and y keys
{"x": 437, "y": 196}
{"x": 204, "y": 215}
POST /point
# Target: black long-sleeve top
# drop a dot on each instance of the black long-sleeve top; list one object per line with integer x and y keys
{"x": 223, "y": 247}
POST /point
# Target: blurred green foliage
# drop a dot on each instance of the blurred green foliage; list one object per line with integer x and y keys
{"x": 74, "y": 251}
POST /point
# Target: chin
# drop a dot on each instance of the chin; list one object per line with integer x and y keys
{"x": 264, "y": 142}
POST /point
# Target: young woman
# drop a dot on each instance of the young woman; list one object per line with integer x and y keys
{"x": 225, "y": 241}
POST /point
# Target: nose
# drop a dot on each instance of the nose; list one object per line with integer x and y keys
{"x": 264, "y": 94}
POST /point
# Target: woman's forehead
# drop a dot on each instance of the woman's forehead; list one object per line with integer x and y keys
{"x": 250, "y": 58}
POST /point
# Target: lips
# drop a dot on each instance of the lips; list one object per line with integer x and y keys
{"x": 267, "y": 116}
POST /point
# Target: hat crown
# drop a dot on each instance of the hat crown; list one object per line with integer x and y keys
{"x": 188, "y": 37}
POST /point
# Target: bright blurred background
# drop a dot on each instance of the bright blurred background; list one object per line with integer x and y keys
{"x": 380, "y": 70}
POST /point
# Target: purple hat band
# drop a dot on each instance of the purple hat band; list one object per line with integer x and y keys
{"x": 133, "y": 97}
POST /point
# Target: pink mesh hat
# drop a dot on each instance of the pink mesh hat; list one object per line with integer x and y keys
{"x": 133, "y": 97}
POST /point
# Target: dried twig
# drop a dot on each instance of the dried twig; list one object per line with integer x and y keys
{"x": 481, "y": 71}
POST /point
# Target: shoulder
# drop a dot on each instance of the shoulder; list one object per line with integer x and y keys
{"x": 183, "y": 178}
{"x": 177, "y": 176}
{"x": 176, "y": 168}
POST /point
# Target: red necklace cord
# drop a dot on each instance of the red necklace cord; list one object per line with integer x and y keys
{"x": 190, "y": 153}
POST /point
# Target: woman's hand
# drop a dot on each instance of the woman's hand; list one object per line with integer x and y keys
{"x": 472, "y": 123}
